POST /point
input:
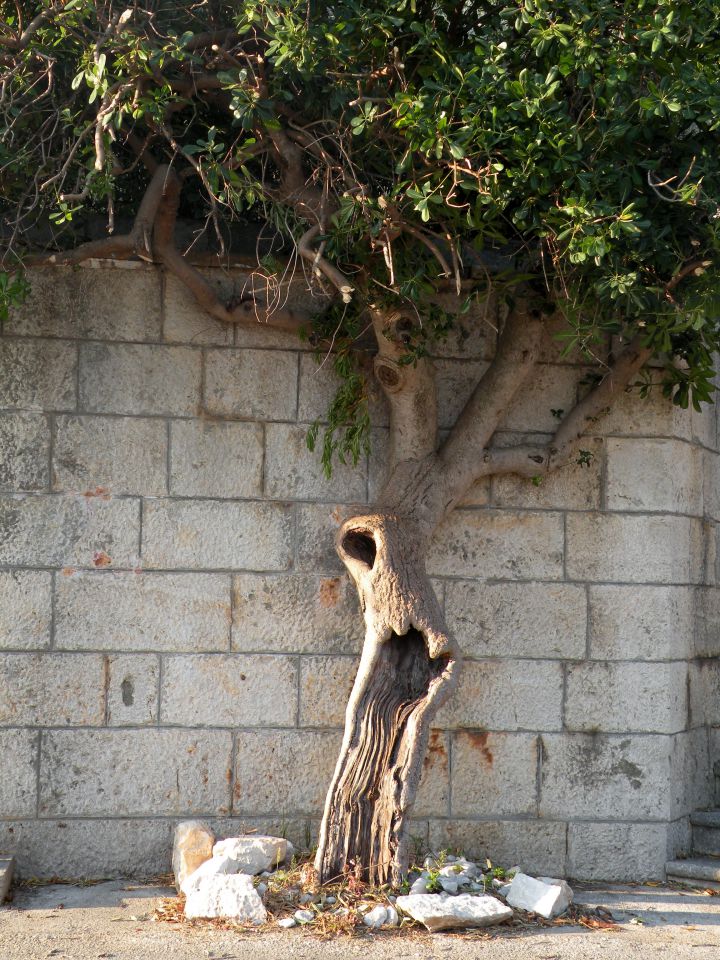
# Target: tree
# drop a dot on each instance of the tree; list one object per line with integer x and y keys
{"x": 560, "y": 156}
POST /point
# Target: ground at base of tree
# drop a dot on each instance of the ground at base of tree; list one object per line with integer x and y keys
{"x": 118, "y": 920}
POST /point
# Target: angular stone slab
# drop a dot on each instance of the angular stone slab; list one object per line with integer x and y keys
{"x": 252, "y": 854}
{"x": 7, "y": 868}
{"x": 545, "y": 896}
{"x": 444, "y": 912}
{"x": 233, "y": 897}
{"x": 192, "y": 846}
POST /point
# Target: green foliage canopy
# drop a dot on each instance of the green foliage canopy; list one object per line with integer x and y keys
{"x": 570, "y": 146}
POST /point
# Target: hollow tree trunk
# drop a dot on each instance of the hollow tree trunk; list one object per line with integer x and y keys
{"x": 408, "y": 668}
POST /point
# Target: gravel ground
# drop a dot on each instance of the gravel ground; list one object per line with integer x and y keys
{"x": 113, "y": 921}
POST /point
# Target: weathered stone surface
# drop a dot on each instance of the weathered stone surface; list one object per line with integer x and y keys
{"x": 654, "y": 416}
{"x": 183, "y": 612}
{"x": 117, "y": 773}
{"x": 25, "y": 609}
{"x": 633, "y": 548}
{"x": 216, "y": 459}
{"x": 284, "y": 771}
{"x": 233, "y": 897}
{"x": 184, "y": 319}
{"x": 705, "y": 692}
{"x": 51, "y": 689}
{"x": 503, "y": 544}
{"x": 433, "y": 795}
{"x": 474, "y": 334}
{"x": 304, "y": 916}
{"x": 707, "y": 622}
{"x": 496, "y": 695}
{"x": 318, "y": 675}
{"x": 104, "y": 303}
{"x": 551, "y": 387}
{"x": 68, "y": 531}
{"x": 443, "y": 912}
{"x": 229, "y": 690}
{"x": 252, "y": 854}
{"x": 216, "y": 535}
{"x": 248, "y": 384}
{"x": 538, "y": 845}
{"x": 318, "y": 386}
{"x": 545, "y": 896}
{"x": 574, "y": 486}
{"x": 601, "y": 776}
{"x": 690, "y": 785}
{"x": 544, "y": 620}
{"x": 317, "y": 524}
{"x": 18, "y": 785}
{"x": 7, "y": 869}
{"x": 641, "y": 623}
{"x": 292, "y": 471}
{"x": 663, "y": 475}
{"x": 38, "y": 374}
{"x": 494, "y": 774}
{"x": 192, "y": 846}
{"x": 653, "y": 697}
{"x": 214, "y": 867}
{"x": 24, "y": 451}
{"x": 376, "y": 918}
{"x": 296, "y": 612}
{"x": 132, "y": 689}
{"x": 139, "y": 379}
{"x": 619, "y": 851}
{"x": 104, "y": 455}
{"x": 455, "y": 383}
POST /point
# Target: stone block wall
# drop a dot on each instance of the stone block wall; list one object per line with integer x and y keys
{"x": 178, "y": 638}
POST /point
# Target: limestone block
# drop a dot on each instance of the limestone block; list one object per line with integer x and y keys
{"x": 38, "y": 374}
{"x": 506, "y": 695}
{"x": 51, "y": 689}
{"x": 648, "y": 474}
{"x": 544, "y": 896}
{"x": 711, "y": 484}
{"x": 284, "y": 771}
{"x": 101, "y": 303}
{"x": 217, "y": 535}
{"x": 184, "y": 319}
{"x": 18, "y": 785}
{"x": 110, "y": 455}
{"x": 294, "y": 472}
{"x": 455, "y": 383}
{"x": 325, "y": 685}
{"x": 173, "y": 612}
{"x": 25, "y": 609}
{"x": 297, "y": 612}
{"x": 705, "y": 692}
{"x": 655, "y": 416}
{"x": 139, "y": 379}
{"x": 251, "y": 384}
{"x": 93, "y": 848}
{"x": 494, "y": 774}
{"x": 444, "y": 912}
{"x": 318, "y": 386}
{"x": 252, "y": 854}
{"x": 214, "y": 867}
{"x": 24, "y": 451}
{"x": 216, "y": 459}
{"x": 473, "y": 335}
{"x": 691, "y": 773}
{"x": 7, "y": 868}
{"x": 192, "y": 846}
{"x": 634, "y": 548}
{"x": 601, "y": 776}
{"x": 624, "y": 697}
{"x": 232, "y": 897}
{"x": 574, "y": 486}
{"x": 151, "y": 772}
{"x": 433, "y": 795}
{"x": 704, "y": 425}
{"x": 69, "y": 531}
{"x": 498, "y": 544}
{"x": 551, "y": 387}
{"x": 617, "y": 851}
{"x": 707, "y": 622}
{"x": 641, "y": 623}
{"x": 317, "y": 524}
{"x": 228, "y": 690}
{"x": 539, "y": 845}
{"x": 545, "y": 620}
{"x": 132, "y": 689}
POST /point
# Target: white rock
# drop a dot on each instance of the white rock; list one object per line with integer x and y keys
{"x": 442, "y": 912}
{"x": 420, "y": 885}
{"x": 232, "y": 896}
{"x": 460, "y": 868}
{"x": 287, "y": 922}
{"x": 289, "y": 852}
{"x": 304, "y": 916}
{"x": 261, "y": 889}
{"x": 330, "y": 899}
{"x": 192, "y": 845}
{"x": 306, "y": 898}
{"x": 253, "y": 853}
{"x": 548, "y": 898}
{"x": 392, "y": 919}
{"x": 214, "y": 867}
{"x": 448, "y": 885}
{"x": 376, "y": 917}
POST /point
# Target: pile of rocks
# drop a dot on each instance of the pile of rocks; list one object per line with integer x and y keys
{"x": 450, "y": 892}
